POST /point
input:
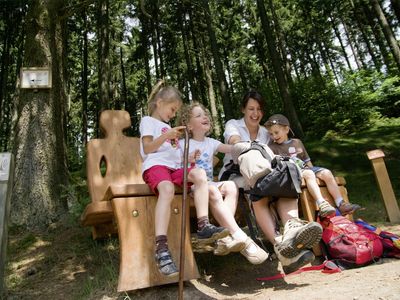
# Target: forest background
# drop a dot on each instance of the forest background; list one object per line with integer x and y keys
{"x": 331, "y": 66}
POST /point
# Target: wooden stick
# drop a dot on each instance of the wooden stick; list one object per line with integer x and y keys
{"x": 183, "y": 217}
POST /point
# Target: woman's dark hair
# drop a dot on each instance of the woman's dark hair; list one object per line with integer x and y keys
{"x": 253, "y": 94}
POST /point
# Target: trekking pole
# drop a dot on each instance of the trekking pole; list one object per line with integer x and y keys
{"x": 183, "y": 217}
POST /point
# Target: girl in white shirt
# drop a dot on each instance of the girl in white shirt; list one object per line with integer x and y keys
{"x": 162, "y": 169}
{"x": 223, "y": 195}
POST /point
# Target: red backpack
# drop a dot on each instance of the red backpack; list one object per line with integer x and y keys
{"x": 349, "y": 245}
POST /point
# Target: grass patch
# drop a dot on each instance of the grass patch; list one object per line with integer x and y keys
{"x": 346, "y": 156}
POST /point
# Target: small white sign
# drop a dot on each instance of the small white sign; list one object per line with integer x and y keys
{"x": 35, "y": 78}
{"x": 5, "y": 159}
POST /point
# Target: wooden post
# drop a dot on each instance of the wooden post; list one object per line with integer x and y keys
{"x": 6, "y": 178}
{"x": 382, "y": 177}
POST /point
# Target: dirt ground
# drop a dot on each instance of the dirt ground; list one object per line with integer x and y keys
{"x": 64, "y": 263}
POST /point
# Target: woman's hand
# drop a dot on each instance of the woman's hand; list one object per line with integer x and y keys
{"x": 195, "y": 155}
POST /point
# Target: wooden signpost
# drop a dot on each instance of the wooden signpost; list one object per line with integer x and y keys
{"x": 6, "y": 178}
{"x": 382, "y": 177}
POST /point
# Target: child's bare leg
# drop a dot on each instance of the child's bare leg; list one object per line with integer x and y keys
{"x": 312, "y": 185}
{"x": 230, "y": 194}
{"x": 325, "y": 209}
{"x": 164, "y": 260}
{"x": 206, "y": 232}
{"x": 327, "y": 176}
{"x": 221, "y": 210}
{"x": 199, "y": 178}
{"x": 166, "y": 191}
{"x": 344, "y": 208}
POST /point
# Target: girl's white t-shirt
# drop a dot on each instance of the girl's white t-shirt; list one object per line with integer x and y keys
{"x": 167, "y": 155}
{"x": 208, "y": 147}
{"x": 238, "y": 127}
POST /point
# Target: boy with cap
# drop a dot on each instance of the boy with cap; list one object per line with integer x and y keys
{"x": 279, "y": 128}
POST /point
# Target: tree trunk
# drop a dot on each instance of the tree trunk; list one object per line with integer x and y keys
{"x": 41, "y": 174}
{"x": 391, "y": 40}
{"x": 104, "y": 73}
{"x": 124, "y": 94}
{"x": 85, "y": 84}
{"x": 188, "y": 59}
{"x": 366, "y": 38}
{"x": 350, "y": 42}
{"x": 226, "y": 103}
{"x": 277, "y": 64}
{"x": 211, "y": 96}
{"x": 377, "y": 34}
{"x": 338, "y": 36}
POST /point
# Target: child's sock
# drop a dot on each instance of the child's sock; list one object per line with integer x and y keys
{"x": 239, "y": 235}
{"x": 338, "y": 201}
{"x": 319, "y": 201}
{"x": 201, "y": 222}
{"x": 161, "y": 243}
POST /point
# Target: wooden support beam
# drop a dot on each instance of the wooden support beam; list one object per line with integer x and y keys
{"x": 6, "y": 178}
{"x": 382, "y": 177}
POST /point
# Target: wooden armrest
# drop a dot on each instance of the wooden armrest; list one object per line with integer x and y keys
{"x": 339, "y": 181}
{"x": 97, "y": 213}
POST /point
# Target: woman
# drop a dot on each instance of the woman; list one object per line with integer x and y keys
{"x": 298, "y": 236}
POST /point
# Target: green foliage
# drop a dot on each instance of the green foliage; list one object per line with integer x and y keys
{"x": 346, "y": 156}
{"x": 362, "y": 98}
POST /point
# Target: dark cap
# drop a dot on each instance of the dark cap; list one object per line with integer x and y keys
{"x": 277, "y": 119}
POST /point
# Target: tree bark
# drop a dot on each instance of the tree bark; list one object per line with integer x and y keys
{"x": 41, "y": 174}
{"x": 277, "y": 64}
{"x": 338, "y": 36}
{"x": 85, "y": 84}
{"x": 391, "y": 40}
{"x": 377, "y": 34}
{"x": 226, "y": 103}
{"x": 104, "y": 73}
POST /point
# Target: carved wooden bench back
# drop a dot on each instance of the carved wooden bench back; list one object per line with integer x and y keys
{"x": 114, "y": 153}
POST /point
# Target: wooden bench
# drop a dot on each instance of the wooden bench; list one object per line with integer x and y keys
{"x": 309, "y": 208}
{"x": 121, "y": 202}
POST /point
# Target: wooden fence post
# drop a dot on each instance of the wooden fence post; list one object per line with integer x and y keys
{"x": 382, "y": 177}
{"x": 6, "y": 179}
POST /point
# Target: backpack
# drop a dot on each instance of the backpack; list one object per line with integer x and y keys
{"x": 267, "y": 174}
{"x": 390, "y": 241}
{"x": 349, "y": 245}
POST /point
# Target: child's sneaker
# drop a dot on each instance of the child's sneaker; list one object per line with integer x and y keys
{"x": 298, "y": 235}
{"x": 346, "y": 208}
{"x": 325, "y": 209}
{"x": 227, "y": 245}
{"x": 289, "y": 265}
{"x": 254, "y": 253}
{"x": 165, "y": 264}
{"x": 210, "y": 233}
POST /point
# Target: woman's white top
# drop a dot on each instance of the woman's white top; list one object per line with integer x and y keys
{"x": 238, "y": 127}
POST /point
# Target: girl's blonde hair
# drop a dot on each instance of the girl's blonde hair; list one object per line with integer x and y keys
{"x": 187, "y": 112}
{"x": 162, "y": 92}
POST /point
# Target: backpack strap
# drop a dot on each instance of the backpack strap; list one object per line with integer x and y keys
{"x": 293, "y": 171}
{"x": 257, "y": 146}
{"x": 327, "y": 267}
